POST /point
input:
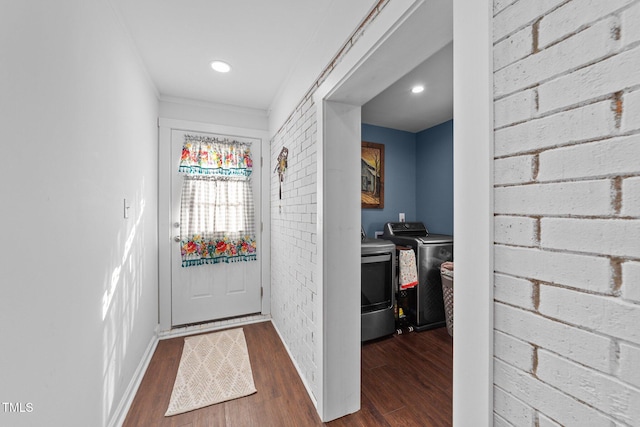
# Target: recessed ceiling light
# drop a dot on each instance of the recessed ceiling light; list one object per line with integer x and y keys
{"x": 220, "y": 66}
{"x": 417, "y": 89}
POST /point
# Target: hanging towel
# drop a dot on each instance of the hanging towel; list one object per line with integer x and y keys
{"x": 408, "y": 270}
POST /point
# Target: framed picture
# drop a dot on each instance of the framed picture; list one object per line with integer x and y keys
{"x": 372, "y": 175}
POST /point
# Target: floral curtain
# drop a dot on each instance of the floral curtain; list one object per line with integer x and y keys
{"x": 216, "y": 210}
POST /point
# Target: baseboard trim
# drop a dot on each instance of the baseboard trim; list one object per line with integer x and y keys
{"x": 130, "y": 393}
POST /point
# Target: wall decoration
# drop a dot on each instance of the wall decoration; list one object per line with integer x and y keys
{"x": 372, "y": 175}
{"x": 281, "y": 167}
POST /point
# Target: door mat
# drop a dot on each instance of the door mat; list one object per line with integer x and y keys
{"x": 214, "y": 368}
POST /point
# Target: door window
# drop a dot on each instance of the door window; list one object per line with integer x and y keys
{"x": 216, "y": 209}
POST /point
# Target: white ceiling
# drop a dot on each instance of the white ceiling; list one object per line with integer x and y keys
{"x": 397, "y": 108}
{"x": 267, "y": 41}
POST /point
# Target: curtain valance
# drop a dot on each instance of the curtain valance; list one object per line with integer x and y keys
{"x": 215, "y": 157}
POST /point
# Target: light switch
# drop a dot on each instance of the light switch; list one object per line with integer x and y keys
{"x": 126, "y": 209}
{"x": 401, "y": 217}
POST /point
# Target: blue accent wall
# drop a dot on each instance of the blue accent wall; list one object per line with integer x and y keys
{"x": 434, "y": 178}
{"x": 399, "y": 177}
{"x": 418, "y": 173}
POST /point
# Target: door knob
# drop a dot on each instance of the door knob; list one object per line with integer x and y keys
{"x": 176, "y": 239}
{"x": 176, "y": 224}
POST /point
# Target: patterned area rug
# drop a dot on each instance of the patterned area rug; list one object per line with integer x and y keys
{"x": 213, "y": 368}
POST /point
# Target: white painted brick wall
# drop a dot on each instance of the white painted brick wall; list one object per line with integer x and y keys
{"x": 514, "y": 47}
{"x": 629, "y": 363}
{"x": 514, "y": 291}
{"x": 608, "y": 315}
{"x": 631, "y": 281}
{"x": 515, "y": 230}
{"x": 544, "y": 421}
{"x": 598, "y": 390}
{"x": 574, "y": 16}
{"x": 557, "y": 405}
{"x": 293, "y": 243}
{"x": 567, "y": 205}
{"x": 573, "y": 343}
{"x": 630, "y": 27}
{"x": 566, "y": 127}
{"x": 612, "y": 157}
{"x": 498, "y": 421}
{"x": 515, "y": 108}
{"x": 595, "y": 81}
{"x": 514, "y": 170}
{"x": 575, "y": 198}
{"x": 521, "y": 13}
{"x": 587, "y": 46}
{"x": 586, "y": 272}
{"x": 513, "y": 410}
{"x": 498, "y": 5}
{"x": 631, "y": 197}
{"x": 513, "y": 351}
{"x": 616, "y": 237}
{"x": 631, "y": 112}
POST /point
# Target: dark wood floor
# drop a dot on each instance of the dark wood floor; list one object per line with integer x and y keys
{"x": 406, "y": 381}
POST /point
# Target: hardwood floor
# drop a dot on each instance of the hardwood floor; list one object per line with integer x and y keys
{"x": 406, "y": 381}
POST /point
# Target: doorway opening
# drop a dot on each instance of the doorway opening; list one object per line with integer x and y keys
{"x": 391, "y": 59}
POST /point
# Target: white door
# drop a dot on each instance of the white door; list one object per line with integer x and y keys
{"x": 212, "y": 291}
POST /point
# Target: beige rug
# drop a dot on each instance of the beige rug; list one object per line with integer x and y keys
{"x": 213, "y": 368}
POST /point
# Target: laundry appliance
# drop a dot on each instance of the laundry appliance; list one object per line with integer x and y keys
{"x": 426, "y": 305}
{"x": 378, "y": 266}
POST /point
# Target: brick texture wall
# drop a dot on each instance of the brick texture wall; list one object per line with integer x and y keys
{"x": 294, "y": 285}
{"x": 567, "y": 212}
{"x": 294, "y": 227}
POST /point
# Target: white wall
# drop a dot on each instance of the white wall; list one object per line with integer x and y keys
{"x": 204, "y": 112}
{"x": 339, "y": 204}
{"x": 473, "y": 214}
{"x": 567, "y": 255}
{"x": 79, "y": 282}
{"x": 317, "y": 55}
